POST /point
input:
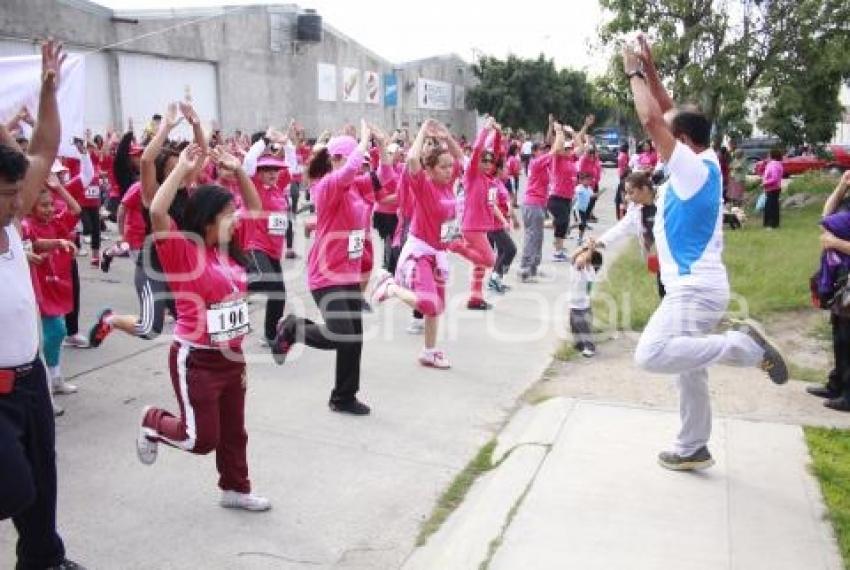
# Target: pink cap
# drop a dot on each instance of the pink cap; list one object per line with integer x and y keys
{"x": 342, "y": 145}
{"x": 270, "y": 161}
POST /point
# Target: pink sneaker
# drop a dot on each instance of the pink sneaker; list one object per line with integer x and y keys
{"x": 381, "y": 292}
{"x": 434, "y": 359}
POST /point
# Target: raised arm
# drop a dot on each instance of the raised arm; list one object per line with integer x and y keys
{"x": 45, "y": 138}
{"x": 227, "y": 161}
{"x": 479, "y": 144}
{"x": 648, "y": 110}
{"x": 56, "y": 187}
{"x": 837, "y": 195}
{"x": 148, "y": 160}
{"x": 560, "y": 139}
{"x": 665, "y": 102}
{"x": 163, "y": 198}
{"x": 414, "y": 156}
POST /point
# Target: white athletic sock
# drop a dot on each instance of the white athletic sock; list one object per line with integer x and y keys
{"x": 55, "y": 372}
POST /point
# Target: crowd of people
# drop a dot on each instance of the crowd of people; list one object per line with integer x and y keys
{"x": 209, "y": 221}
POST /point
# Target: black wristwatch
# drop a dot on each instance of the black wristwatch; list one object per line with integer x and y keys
{"x": 636, "y": 73}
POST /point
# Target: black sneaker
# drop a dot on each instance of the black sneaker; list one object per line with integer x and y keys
{"x": 105, "y": 261}
{"x": 354, "y": 407}
{"x": 825, "y": 391}
{"x": 700, "y": 459}
{"x": 840, "y": 404}
{"x": 284, "y": 339}
{"x": 67, "y": 565}
{"x": 772, "y": 362}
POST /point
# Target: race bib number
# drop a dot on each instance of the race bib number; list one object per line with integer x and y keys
{"x": 93, "y": 193}
{"x": 449, "y": 230}
{"x": 356, "y": 242}
{"x": 228, "y": 320}
{"x": 277, "y": 224}
{"x": 492, "y": 192}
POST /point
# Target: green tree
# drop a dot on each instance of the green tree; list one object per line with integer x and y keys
{"x": 522, "y": 92}
{"x": 720, "y": 53}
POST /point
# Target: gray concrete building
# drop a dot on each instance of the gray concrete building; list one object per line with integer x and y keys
{"x": 245, "y": 67}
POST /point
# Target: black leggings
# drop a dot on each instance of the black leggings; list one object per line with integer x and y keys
{"x": 266, "y": 276}
{"x": 294, "y": 194}
{"x": 386, "y": 225}
{"x": 342, "y": 310}
{"x": 154, "y": 299}
{"x": 771, "y": 210}
{"x": 72, "y": 319}
{"x": 560, "y": 209}
{"x": 505, "y": 250}
{"x": 91, "y": 225}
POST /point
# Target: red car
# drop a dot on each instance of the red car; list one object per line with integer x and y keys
{"x": 799, "y": 164}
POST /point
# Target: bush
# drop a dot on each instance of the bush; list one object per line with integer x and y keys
{"x": 813, "y": 182}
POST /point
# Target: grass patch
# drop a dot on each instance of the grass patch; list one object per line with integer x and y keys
{"x": 807, "y": 374}
{"x": 830, "y": 449}
{"x": 813, "y": 182}
{"x": 566, "y": 352}
{"x": 768, "y": 272}
{"x": 453, "y": 496}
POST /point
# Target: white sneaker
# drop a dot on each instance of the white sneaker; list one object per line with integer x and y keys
{"x": 247, "y": 501}
{"x": 76, "y": 341}
{"x": 434, "y": 359}
{"x": 145, "y": 448}
{"x": 381, "y": 292}
{"x": 588, "y": 352}
{"x": 60, "y": 386}
{"x": 416, "y": 326}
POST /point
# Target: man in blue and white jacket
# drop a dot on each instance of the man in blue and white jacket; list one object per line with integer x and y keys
{"x": 689, "y": 240}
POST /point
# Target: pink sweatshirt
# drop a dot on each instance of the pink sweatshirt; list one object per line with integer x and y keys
{"x": 564, "y": 173}
{"x": 266, "y": 230}
{"x": 592, "y": 166}
{"x": 389, "y": 177}
{"x": 52, "y": 278}
{"x": 335, "y": 257}
{"x": 433, "y": 206}
{"x": 537, "y": 190}
{"x": 771, "y": 180}
{"x": 479, "y": 188}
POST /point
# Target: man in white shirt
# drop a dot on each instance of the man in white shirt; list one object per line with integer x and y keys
{"x": 27, "y": 455}
{"x": 688, "y": 233}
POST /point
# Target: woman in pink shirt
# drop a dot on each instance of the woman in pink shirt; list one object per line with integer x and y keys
{"x": 480, "y": 193}
{"x": 264, "y": 239}
{"x": 590, "y": 164}
{"x": 206, "y": 273}
{"x": 50, "y": 231}
{"x": 423, "y": 267}
{"x": 771, "y": 182}
{"x": 334, "y": 266}
{"x": 386, "y": 217}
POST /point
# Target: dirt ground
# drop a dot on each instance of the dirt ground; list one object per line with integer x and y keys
{"x": 611, "y": 376}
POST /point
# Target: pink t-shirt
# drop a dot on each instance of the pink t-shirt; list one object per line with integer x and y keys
{"x": 386, "y": 199}
{"x": 622, "y": 163}
{"x": 564, "y": 173}
{"x": 337, "y": 251}
{"x": 209, "y": 290}
{"x": 513, "y": 166}
{"x": 537, "y": 189}
{"x": 503, "y": 202}
{"x": 593, "y": 167}
{"x": 771, "y": 180}
{"x": 434, "y": 205}
{"x": 134, "y": 221}
{"x": 479, "y": 191}
{"x": 266, "y": 230}
{"x": 52, "y": 278}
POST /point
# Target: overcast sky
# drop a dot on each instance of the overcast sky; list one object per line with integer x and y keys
{"x": 401, "y": 30}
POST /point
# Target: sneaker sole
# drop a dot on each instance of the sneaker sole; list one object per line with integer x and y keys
{"x": 139, "y": 440}
{"x": 687, "y": 465}
{"x": 434, "y": 366}
{"x": 771, "y": 349}
{"x": 245, "y": 508}
{"x": 94, "y": 343}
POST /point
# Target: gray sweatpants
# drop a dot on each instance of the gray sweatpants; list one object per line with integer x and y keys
{"x": 532, "y": 243}
{"x": 677, "y": 341}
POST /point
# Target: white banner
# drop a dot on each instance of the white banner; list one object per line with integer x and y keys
{"x": 351, "y": 84}
{"x": 21, "y": 85}
{"x": 327, "y": 82}
{"x": 372, "y": 87}
{"x": 435, "y": 95}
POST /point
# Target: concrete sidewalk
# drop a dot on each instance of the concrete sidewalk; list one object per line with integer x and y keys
{"x": 579, "y": 487}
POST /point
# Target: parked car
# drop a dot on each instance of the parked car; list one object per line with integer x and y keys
{"x": 792, "y": 165}
{"x": 756, "y": 149}
{"x": 608, "y": 141}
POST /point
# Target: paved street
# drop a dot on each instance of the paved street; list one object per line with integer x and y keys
{"x": 347, "y": 492}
